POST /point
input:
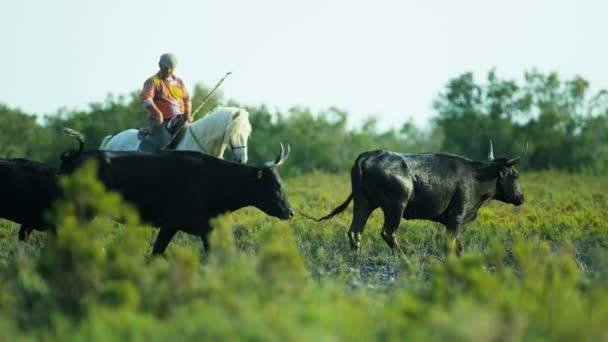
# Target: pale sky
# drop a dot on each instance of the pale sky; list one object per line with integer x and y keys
{"x": 387, "y": 59}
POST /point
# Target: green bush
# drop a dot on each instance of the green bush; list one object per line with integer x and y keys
{"x": 535, "y": 272}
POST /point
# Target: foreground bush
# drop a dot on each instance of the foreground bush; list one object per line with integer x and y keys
{"x": 535, "y": 272}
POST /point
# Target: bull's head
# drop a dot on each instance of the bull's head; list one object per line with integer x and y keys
{"x": 507, "y": 187}
{"x": 271, "y": 198}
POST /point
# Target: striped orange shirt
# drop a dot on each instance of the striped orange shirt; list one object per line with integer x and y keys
{"x": 170, "y": 96}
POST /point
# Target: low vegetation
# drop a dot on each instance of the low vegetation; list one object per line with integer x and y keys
{"x": 535, "y": 272}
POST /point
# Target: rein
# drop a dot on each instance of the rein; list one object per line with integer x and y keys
{"x": 204, "y": 150}
{"x": 197, "y": 141}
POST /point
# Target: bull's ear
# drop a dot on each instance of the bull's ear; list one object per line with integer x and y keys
{"x": 503, "y": 172}
{"x": 258, "y": 173}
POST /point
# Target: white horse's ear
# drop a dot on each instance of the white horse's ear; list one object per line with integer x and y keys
{"x": 236, "y": 115}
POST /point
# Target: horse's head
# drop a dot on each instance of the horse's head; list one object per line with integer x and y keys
{"x": 223, "y": 128}
{"x": 239, "y": 130}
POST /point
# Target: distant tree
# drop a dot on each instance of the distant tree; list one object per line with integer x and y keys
{"x": 112, "y": 116}
{"x": 198, "y": 95}
{"x": 20, "y": 135}
{"x": 563, "y": 124}
{"x": 469, "y": 114}
{"x": 562, "y": 111}
{"x": 322, "y": 141}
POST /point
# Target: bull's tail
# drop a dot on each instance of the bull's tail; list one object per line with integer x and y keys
{"x": 355, "y": 177}
{"x": 72, "y": 154}
{"x": 334, "y": 212}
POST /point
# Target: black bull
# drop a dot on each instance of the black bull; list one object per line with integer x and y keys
{"x": 184, "y": 190}
{"x": 28, "y": 190}
{"x": 442, "y": 188}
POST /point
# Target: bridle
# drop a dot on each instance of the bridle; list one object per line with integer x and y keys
{"x": 197, "y": 141}
{"x": 204, "y": 150}
{"x": 236, "y": 147}
{"x": 232, "y": 147}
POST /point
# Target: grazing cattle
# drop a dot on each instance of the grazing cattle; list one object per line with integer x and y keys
{"x": 28, "y": 190}
{"x": 183, "y": 190}
{"x": 443, "y": 188}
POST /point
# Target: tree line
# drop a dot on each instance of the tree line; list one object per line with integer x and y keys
{"x": 564, "y": 122}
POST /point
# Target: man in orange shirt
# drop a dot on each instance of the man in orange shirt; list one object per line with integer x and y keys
{"x": 167, "y": 102}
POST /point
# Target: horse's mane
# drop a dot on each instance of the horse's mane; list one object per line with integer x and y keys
{"x": 238, "y": 124}
{"x": 219, "y": 123}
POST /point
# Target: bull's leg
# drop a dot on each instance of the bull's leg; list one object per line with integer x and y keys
{"x": 205, "y": 240}
{"x": 453, "y": 222}
{"x": 392, "y": 217}
{"x": 361, "y": 212}
{"x": 452, "y": 239}
{"x": 452, "y": 243}
{"x": 24, "y": 232}
{"x": 204, "y": 234}
{"x": 458, "y": 243}
{"x": 162, "y": 240}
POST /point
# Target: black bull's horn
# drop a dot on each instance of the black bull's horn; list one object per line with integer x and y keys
{"x": 515, "y": 160}
{"x": 510, "y": 162}
{"x": 280, "y": 159}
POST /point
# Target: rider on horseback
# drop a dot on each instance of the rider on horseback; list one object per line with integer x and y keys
{"x": 167, "y": 102}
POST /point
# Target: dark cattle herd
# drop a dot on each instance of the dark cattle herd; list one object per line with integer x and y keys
{"x": 181, "y": 191}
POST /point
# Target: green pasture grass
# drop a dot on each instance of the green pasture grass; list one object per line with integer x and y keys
{"x": 534, "y": 272}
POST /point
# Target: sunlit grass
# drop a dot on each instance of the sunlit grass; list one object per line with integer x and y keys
{"x": 539, "y": 271}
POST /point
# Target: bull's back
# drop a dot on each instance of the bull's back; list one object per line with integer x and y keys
{"x": 170, "y": 186}
{"x": 438, "y": 180}
{"x": 382, "y": 177}
{"x": 426, "y": 182}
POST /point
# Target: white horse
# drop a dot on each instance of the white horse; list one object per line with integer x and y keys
{"x": 223, "y": 127}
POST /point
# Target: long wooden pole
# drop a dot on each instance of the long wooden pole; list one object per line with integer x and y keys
{"x": 205, "y": 100}
{"x": 210, "y": 93}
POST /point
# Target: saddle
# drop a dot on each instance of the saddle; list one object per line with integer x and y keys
{"x": 142, "y": 132}
{"x": 173, "y": 127}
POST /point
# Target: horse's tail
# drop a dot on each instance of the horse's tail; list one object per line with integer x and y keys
{"x": 105, "y": 142}
{"x": 72, "y": 154}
